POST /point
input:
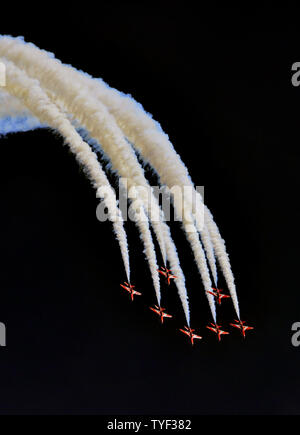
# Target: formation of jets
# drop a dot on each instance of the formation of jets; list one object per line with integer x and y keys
{"x": 214, "y": 327}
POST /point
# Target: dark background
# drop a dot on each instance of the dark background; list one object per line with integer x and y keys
{"x": 219, "y": 82}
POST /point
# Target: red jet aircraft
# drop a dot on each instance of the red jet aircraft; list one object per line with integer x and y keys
{"x": 160, "y": 312}
{"x": 217, "y": 294}
{"x": 189, "y": 332}
{"x": 167, "y": 273}
{"x": 216, "y": 329}
{"x": 240, "y": 325}
{"x": 130, "y": 289}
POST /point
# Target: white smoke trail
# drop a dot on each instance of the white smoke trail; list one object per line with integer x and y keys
{"x": 48, "y": 71}
{"x": 220, "y": 248}
{"x": 30, "y": 92}
{"x": 141, "y": 129}
{"x": 177, "y": 271}
{"x": 14, "y": 116}
{"x": 91, "y": 114}
{"x": 17, "y": 110}
{"x": 138, "y": 119}
{"x": 199, "y": 255}
{"x": 37, "y": 101}
{"x": 156, "y": 149}
{"x": 54, "y": 76}
{"x": 171, "y": 250}
{"x": 113, "y": 143}
{"x": 11, "y": 106}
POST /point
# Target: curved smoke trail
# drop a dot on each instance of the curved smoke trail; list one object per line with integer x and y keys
{"x": 111, "y": 118}
{"x": 102, "y": 128}
{"x": 57, "y": 77}
{"x": 30, "y": 92}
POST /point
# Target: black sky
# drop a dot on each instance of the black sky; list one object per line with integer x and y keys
{"x": 219, "y": 82}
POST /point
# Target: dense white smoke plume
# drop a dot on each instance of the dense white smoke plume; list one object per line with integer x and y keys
{"x": 41, "y": 91}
